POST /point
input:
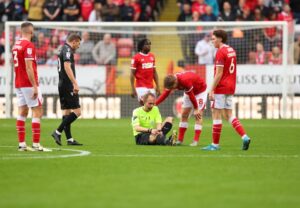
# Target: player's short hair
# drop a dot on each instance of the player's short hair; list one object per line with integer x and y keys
{"x": 169, "y": 81}
{"x": 141, "y": 44}
{"x": 25, "y": 26}
{"x": 148, "y": 94}
{"x": 221, "y": 34}
{"x": 73, "y": 36}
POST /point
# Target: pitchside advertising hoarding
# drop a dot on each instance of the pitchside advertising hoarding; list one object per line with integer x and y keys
{"x": 258, "y": 93}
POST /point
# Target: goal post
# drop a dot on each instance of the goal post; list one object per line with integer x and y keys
{"x": 264, "y": 90}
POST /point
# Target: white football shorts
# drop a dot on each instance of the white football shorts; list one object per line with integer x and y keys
{"x": 201, "y": 100}
{"x": 222, "y": 101}
{"x": 141, "y": 91}
{"x": 24, "y": 96}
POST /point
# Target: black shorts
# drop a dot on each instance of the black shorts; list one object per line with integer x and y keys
{"x": 142, "y": 139}
{"x": 68, "y": 100}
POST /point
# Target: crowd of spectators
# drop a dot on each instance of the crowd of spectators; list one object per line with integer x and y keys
{"x": 80, "y": 10}
{"x": 258, "y": 46}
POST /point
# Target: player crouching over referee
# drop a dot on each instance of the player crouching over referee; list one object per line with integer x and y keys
{"x": 148, "y": 128}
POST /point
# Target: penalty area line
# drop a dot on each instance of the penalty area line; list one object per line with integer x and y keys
{"x": 195, "y": 156}
{"x": 78, "y": 153}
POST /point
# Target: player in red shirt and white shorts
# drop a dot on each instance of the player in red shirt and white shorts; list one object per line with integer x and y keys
{"x": 223, "y": 89}
{"x": 194, "y": 97}
{"x": 143, "y": 71}
{"x": 27, "y": 88}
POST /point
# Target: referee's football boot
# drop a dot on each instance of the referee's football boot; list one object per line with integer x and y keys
{"x": 172, "y": 139}
{"x": 73, "y": 142}
{"x": 246, "y": 143}
{"x": 56, "y": 137}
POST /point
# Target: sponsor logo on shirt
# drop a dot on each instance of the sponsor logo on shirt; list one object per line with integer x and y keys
{"x": 147, "y": 65}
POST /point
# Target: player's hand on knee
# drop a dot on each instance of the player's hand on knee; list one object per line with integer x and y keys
{"x": 197, "y": 114}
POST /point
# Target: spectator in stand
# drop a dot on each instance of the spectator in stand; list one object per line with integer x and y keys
{"x": 297, "y": 51}
{"x": 208, "y": 16}
{"x": 110, "y": 12}
{"x": 35, "y": 10}
{"x": 275, "y": 57}
{"x": 261, "y": 55}
{"x": 86, "y": 7}
{"x": 258, "y": 15}
{"x": 118, "y": 2}
{"x": 251, "y": 4}
{"x": 41, "y": 49}
{"x": 276, "y": 5}
{"x": 205, "y": 51}
{"x": 127, "y": 11}
{"x": 271, "y": 34}
{"x": 186, "y": 14}
{"x": 214, "y": 5}
{"x": 85, "y": 50}
{"x": 54, "y": 47}
{"x": 18, "y": 10}
{"x": 252, "y": 58}
{"x": 286, "y": 14}
{"x": 71, "y": 10}
{"x": 52, "y": 10}
{"x": 246, "y": 16}
{"x": 95, "y": 15}
{"x": 104, "y": 52}
{"x": 146, "y": 11}
{"x": 295, "y": 6}
{"x": 7, "y": 8}
{"x": 199, "y": 6}
{"x": 137, "y": 10}
{"x": 227, "y": 14}
{"x": 263, "y": 8}
{"x": 181, "y": 3}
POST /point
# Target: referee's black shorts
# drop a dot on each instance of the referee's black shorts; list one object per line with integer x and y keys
{"x": 68, "y": 100}
{"x": 142, "y": 139}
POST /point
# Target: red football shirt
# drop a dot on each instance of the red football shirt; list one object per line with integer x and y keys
{"x": 144, "y": 66}
{"x": 23, "y": 50}
{"x": 191, "y": 83}
{"x": 226, "y": 58}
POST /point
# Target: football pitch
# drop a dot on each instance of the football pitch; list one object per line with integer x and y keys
{"x": 110, "y": 171}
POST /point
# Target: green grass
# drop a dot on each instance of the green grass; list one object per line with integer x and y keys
{"x": 120, "y": 174}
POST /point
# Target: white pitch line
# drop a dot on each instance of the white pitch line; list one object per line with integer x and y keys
{"x": 79, "y": 153}
{"x": 198, "y": 156}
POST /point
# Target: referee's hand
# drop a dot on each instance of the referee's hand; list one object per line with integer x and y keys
{"x": 75, "y": 88}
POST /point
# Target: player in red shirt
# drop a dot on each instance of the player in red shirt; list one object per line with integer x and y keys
{"x": 27, "y": 88}
{"x": 222, "y": 91}
{"x": 194, "y": 97}
{"x": 143, "y": 71}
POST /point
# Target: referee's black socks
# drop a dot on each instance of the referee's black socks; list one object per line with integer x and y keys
{"x": 67, "y": 128}
{"x": 67, "y": 122}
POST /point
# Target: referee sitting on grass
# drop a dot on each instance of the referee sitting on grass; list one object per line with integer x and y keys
{"x": 148, "y": 128}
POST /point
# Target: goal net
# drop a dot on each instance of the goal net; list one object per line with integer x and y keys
{"x": 267, "y": 85}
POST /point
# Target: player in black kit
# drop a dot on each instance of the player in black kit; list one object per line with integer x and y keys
{"x": 68, "y": 89}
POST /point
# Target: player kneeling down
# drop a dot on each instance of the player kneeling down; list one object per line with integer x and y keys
{"x": 148, "y": 128}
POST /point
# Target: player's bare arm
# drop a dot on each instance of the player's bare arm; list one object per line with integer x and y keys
{"x": 156, "y": 83}
{"x": 217, "y": 78}
{"x": 30, "y": 73}
{"x": 132, "y": 78}
{"x": 71, "y": 76}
